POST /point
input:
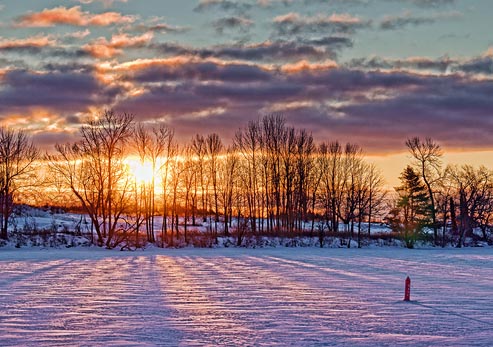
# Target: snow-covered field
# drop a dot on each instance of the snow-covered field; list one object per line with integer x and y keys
{"x": 246, "y": 297}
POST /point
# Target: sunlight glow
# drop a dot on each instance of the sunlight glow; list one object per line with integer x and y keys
{"x": 141, "y": 171}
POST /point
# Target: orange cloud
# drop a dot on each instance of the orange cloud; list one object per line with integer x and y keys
{"x": 33, "y": 41}
{"x": 72, "y": 16}
{"x": 140, "y": 64}
{"x": 304, "y": 65}
{"x": 102, "y": 48}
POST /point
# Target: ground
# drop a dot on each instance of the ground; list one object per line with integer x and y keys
{"x": 246, "y": 297}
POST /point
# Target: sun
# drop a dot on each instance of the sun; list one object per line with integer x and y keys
{"x": 141, "y": 171}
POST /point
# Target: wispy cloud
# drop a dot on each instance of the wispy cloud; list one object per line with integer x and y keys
{"x": 71, "y": 16}
{"x": 106, "y": 3}
{"x": 395, "y": 22}
{"x": 225, "y": 5}
{"x": 428, "y": 3}
{"x": 294, "y": 23}
{"x": 102, "y": 48}
{"x": 233, "y": 22}
{"x": 26, "y": 43}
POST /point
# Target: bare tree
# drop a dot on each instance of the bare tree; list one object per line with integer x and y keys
{"x": 228, "y": 174}
{"x": 376, "y": 193}
{"x": 473, "y": 194}
{"x": 248, "y": 144}
{"x": 94, "y": 170}
{"x": 199, "y": 148}
{"x": 151, "y": 146}
{"x": 214, "y": 148}
{"x": 427, "y": 155}
{"x": 169, "y": 158}
{"x": 17, "y": 155}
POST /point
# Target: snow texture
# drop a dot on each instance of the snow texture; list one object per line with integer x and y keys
{"x": 246, "y": 297}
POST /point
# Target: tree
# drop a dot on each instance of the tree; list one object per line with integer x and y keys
{"x": 151, "y": 147}
{"x": 94, "y": 171}
{"x": 473, "y": 199}
{"x": 214, "y": 148}
{"x": 248, "y": 144}
{"x": 168, "y": 157}
{"x": 17, "y": 155}
{"x": 412, "y": 211}
{"x": 427, "y": 155}
{"x": 228, "y": 171}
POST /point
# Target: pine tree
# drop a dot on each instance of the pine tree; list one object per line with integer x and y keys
{"x": 413, "y": 211}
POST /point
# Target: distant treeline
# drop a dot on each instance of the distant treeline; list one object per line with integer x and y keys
{"x": 273, "y": 180}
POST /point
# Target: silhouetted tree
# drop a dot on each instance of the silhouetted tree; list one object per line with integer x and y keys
{"x": 412, "y": 212}
{"x": 94, "y": 170}
{"x": 427, "y": 155}
{"x": 17, "y": 156}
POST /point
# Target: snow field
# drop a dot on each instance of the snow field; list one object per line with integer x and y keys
{"x": 246, "y": 297}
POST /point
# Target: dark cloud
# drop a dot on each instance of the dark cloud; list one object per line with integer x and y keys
{"x": 68, "y": 67}
{"x": 332, "y": 42}
{"x": 46, "y": 51}
{"x": 204, "y": 71}
{"x": 416, "y": 63}
{"x": 233, "y": 22}
{"x": 225, "y": 5}
{"x": 160, "y": 28}
{"x": 482, "y": 65}
{"x": 375, "y": 109}
{"x": 279, "y": 50}
{"x": 457, "y": 113}
{"x": 24, "y": 49}
{"x": 473, "y": 66}
{"x": 167, "y": 100}
{"x": 429, "y": 3}
{"x": 47, "y": 140}
{"x": 61, "y": 91}
{"x": 399, "y": 22}
{"x": 296, "y": 24}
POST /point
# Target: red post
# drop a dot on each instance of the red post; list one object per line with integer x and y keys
{"x": 407, "y": 293}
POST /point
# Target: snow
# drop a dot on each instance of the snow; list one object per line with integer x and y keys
{"x": 246, "y": 297}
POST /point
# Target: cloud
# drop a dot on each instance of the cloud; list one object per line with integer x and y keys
{"x": 294, "y": 23}
{"x": 270, "y": 3}
{"x": 102, "y": 48}
{"x": 399, "y": 22}
{"x": 29, "y": 44}
{"x": 304, "y": 65}
{"x": 429, "y": 3}
{"x": 106, "y": 3}
{"x": 78, "y": 34}
{"x": 480, "y": 65}
{"x": 408, "y": 19}
{"x": 473, "y": 66}
{"x": 441, "y": 65}
{"x": 273, "y": 51}
{"x": 225, "y": 5}
{"x": 71, "y": 16}
{"x": 185, "y": 68}
{"x": 57, "y": 91}
{"x": 160, "y": 28}
{"x": 377, "y": 109}
{"x": 233, "y": 22}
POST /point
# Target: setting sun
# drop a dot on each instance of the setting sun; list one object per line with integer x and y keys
{"x": 141, "y": 171}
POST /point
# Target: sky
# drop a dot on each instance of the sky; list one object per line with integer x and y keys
{"x": 370, "y": 72}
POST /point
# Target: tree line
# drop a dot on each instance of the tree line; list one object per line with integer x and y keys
{"x": 272, "y": 180}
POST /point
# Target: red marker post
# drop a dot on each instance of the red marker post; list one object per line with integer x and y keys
{"x": 407, "y": 292}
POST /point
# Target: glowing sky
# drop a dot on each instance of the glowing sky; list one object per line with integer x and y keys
{"x": 373, "y": 72}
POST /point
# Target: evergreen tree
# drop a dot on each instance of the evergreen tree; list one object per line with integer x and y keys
{"x": 413, "y": 211}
